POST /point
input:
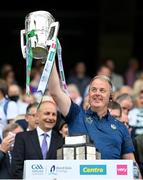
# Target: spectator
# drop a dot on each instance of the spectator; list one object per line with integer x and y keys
{"x": 31, "y": 116}
{"x": 136, "y": 117}
{"x": 15, "y": 105}
{"x": 6, "y": 148}
{"x": 126, "y": 103}
{"x": 126, "y": 90}
{"x": 131, "y": 72}
{"x": 10, "y": 78}
{"x": 74, "y": 94}
{"x": 102, "y": 70}
{"x": 139, "y": 100}
{"x": 105, "y": 70}
{"x": 79, "y": 77}
{"x": 115, "y": 109}
{"x": 138, "y": 85}
{"x": 5, "y": 69}
{"x": 29, "y": 99}
{"x": 116, "y": 78}
{"x": 63, "y": 128}
{"x": 3, "y": 100}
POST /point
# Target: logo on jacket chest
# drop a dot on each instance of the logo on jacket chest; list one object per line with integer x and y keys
{"x": 88, "y": 120}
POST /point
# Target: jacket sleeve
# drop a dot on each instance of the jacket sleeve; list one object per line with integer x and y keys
{"x": 18, "y": 157}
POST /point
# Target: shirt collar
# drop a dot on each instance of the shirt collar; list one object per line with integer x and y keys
{"x": 90, "y": 112}
{"x": 2, "y": 101}
{"x": 41, "y": 132}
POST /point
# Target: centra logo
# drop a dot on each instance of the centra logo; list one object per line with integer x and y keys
{"x": 92, "y": 169}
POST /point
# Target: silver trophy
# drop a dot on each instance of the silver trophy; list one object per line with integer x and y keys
{"x": 41, "y": 28}
{"x": 79, "y": 148}
{"x": 39, "y": 41}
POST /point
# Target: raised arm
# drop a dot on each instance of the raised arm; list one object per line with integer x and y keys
{"x": 61, "y": 98}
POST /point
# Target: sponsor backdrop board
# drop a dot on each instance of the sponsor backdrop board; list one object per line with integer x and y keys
{"x": 78, "y": 169}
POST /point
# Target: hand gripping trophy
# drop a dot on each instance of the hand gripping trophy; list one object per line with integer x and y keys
{"x": 39, "y": 41}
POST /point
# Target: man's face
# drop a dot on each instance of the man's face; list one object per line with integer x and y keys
{"x": 99, "y": 94}
{"x": 126, "y": 106}
{"x": 32, "y": 118}
{"x": 116, "y": 113}
{"x": 13, "y": 90}
{"x": 105, "y": 71}
{"x": 47, "y": 115}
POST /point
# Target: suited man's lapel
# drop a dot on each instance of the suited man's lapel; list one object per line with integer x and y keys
{"x": 52, "y": 145}
{"x": 36, "y": 144}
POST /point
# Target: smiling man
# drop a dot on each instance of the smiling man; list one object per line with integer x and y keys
{"x": 109, "y": 136}
{"x": 41, "y": 143}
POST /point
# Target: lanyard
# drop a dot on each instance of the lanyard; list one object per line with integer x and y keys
{"x": 61, "y": 68}
{"x": 47, "y": 69}
{"x": 29, "y": 59}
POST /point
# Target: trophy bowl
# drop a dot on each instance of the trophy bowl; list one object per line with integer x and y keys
{"x": 40, "y": 28}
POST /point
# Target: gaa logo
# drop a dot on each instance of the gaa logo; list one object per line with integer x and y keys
{"x": 37, "y": 167}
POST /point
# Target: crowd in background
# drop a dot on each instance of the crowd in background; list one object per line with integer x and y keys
{"x": 17, "y": 109}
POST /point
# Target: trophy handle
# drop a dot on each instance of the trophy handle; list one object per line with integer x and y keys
{"x": 53, "y": 32}
{"x": 23, "y": 46}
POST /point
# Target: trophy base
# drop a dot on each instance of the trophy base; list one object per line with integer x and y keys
{"x": 79, "y": 152}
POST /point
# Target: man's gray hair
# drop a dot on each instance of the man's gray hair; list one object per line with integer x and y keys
{"x": 104, "y": 78}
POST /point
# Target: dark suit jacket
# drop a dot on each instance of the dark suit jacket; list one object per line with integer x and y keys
{"x": 4, "y": 166}
{"x": 27, "y": 147}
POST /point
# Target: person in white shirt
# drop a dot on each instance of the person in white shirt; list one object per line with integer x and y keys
{"x": 15, "y": 105}
{"x": 136, "y": 117}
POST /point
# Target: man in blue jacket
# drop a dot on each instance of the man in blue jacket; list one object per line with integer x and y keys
{"x": 109, "y": 136}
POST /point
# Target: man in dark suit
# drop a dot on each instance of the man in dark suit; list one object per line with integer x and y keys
{"x": 28, "y": 145}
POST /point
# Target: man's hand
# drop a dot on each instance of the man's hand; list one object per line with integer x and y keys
{"x": 7, "y": 142}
